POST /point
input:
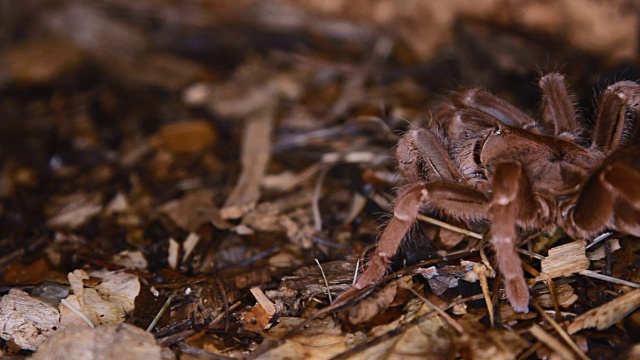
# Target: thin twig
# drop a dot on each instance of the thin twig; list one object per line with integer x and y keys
{"x": 465, "y": 300}
{"x": 454, "y": 324}
{"x": 481, "y": 270}
{"x": 174, "y": 338}
{"x": 402, "y": 328}
{"x": 201, "y": 353}
{"x": 220, "y": 316}
{"x": 326, "y": 282}
{"x": 563, "y": 334}
{"x": 598, "y": 239}
{"x": 444, "y": 225}
{"x": 554, "y": 298}
{"x": 225, "y": 301}
{"x": 611, "y": 279}
{"x": 531, "y": 254}
{"x": 553, "y": 343}
{"x": 163, "y": 309}
{"x": 315, "y": 208}
{"x": 532, "y": 349}
{"x": 77, "y": 311}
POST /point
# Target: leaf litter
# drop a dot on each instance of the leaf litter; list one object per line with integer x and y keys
{"x": 216, "y": 174}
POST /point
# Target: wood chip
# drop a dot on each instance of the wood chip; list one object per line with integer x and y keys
{"x": 263, "y": 300}
{"x": 27, "y": 321}
{"x": 607, "y": 314}
{"x": 564, "y": 260}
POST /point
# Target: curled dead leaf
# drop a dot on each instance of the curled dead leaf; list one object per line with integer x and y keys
{"x": 373, "y": 305}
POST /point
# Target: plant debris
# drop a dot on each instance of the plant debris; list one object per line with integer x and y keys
{"x": 217, "y": 173}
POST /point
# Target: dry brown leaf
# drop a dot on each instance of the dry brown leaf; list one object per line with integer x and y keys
{"x": 607, "y": 314}
{"x": 430, "y": 338}
{"x": 321, "y": 339}
{"x": 164, "y": 70}
{"x": 32, "y": 273}
{"x": 108, "y": 342}
{"x": 257, "y": 319}
{"x": 131, "y": 259}
{"x": 444, "y": 278}
{"x": 186, "y": 137}
{"x": 373, "y": 305}
{"x": 490, "y": 344}
{"x": 268, "y": 216}
{"x": 566, "y": 297}
{"x": 318, "y": 346}
{"x": 43, "y": 60}
{"x": 194, "y": 209}
{"x": 105, "y": 303}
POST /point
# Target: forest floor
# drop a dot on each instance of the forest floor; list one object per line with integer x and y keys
{"x": 200, "y": 180}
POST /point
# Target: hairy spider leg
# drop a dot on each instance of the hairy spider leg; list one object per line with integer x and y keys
{"x": 616, "y": 122}
{"x": 453, "y": 199}
{"x": 558, "y": 112}
{"x": 610, "y": 198}
{"x": 511, "y": 204}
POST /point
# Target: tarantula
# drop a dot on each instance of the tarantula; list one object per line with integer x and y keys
{"x": 486, "y": 161}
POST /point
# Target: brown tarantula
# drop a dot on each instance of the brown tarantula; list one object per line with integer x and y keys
{"x": 487, "y": 161}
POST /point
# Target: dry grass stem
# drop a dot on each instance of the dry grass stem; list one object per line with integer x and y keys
{"x": 563, "y": 334}
{"x": 161, "y": 312}
{"x": 553, "y": 343}
{"x": 315, "y": 207}
{"x": 611, "y": 279}
{"x": 444, "y": 225}
{"x": 326, "y": 282}
{"x": 440, "y": 312}
{"x": 531, "y": 254}
{"x": 255, "y": 156}
{"x": 355, "y": 273}
{"x": 78, "y": 312}
{"x": 484, "y": 284}
{"x": 599, "y": 239}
